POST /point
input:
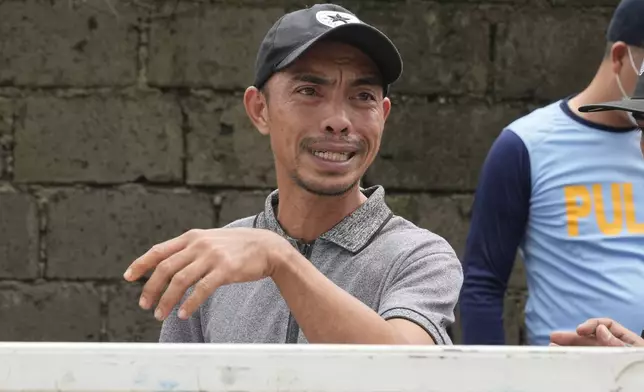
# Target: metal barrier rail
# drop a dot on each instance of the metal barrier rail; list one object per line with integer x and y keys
{"x": 116, "y": 367}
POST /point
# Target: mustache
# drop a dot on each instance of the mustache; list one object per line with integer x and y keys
{"x": 357, "y": 144}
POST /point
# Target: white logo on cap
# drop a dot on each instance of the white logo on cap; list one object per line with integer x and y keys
{"x": 335, "y": 18}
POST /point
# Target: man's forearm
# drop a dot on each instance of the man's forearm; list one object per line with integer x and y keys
{"x": 328, "y": 314}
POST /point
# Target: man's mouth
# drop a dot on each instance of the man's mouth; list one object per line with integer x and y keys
{"x": 333, "y": 156}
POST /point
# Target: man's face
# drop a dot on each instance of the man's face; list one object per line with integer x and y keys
{"x": 325, "y": 116}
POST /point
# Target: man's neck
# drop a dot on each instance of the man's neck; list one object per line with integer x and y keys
{"x": 306, "y": 216}
{"x": 603, "y": 88}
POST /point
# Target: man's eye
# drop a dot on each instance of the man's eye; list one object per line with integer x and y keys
{"x": 366, "y": 96}
{"x": 307, "y": 91}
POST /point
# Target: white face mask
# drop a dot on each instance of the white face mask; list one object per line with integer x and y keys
{"x": 621, "y": 87}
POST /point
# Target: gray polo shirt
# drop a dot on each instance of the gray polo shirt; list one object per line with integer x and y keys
{"x": 396, "y": 268}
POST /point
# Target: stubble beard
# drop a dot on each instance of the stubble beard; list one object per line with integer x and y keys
{"x": 319, "y": 191}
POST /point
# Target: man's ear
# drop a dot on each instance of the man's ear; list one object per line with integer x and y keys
{"x": 386, "y": 108}
{"x": 257, "y": 109}
{"x": 618, "y": 55}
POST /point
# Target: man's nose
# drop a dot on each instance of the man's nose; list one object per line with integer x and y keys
{"x": 338, "y": 122}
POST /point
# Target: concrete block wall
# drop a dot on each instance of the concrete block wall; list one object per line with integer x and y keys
{"x": 121, "y": 125}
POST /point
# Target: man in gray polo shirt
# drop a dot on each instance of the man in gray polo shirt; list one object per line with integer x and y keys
{"x": 326, "y": 261}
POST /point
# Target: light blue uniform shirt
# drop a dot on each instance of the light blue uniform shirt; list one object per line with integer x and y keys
{"x": 571, "y": 195}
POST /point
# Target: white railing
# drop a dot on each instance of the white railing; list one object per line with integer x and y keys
{"x": 116, "y": 367}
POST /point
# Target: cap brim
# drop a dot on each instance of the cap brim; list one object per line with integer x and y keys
{"x": 367, "y": 38}
{"x": 628, "y": 105}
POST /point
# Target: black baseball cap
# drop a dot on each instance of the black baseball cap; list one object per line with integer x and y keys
{"x": 634, "y": 105}
{"x": 627, "y": 23}
{"x": 297, "y": 31}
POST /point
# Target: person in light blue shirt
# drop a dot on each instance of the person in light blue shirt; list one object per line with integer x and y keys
{"x": 604, "y": 331}
{"x": 566, "y": 189}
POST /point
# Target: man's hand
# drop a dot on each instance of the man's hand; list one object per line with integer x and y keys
{"x": 206, "y": 259}
{"x": 597, "y": 332}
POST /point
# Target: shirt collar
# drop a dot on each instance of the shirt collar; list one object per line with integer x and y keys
{"x": 353, "y": 233}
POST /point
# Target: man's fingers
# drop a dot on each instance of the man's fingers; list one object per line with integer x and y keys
{"x": 561, "y": 338}
{"x": 589, "y": 327}
{"x": 614, "y": 328}
{"x": 622, "y": 333}
{"x": 202, "y": 290}
{"x": 152, "y": 258}
{"x": 605, "y": 338}
{"x": 178, "y": 286}
{"x": 163, "y": 273}
{"x": 571, "y": 339}
{"x": 157, "y": 254}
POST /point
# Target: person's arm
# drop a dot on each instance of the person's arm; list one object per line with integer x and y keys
{"x": 499, "y": 217}
{"x": 416, "y": 303}
{"x": 425, "y": 288}
{"x": 193, "y": 265}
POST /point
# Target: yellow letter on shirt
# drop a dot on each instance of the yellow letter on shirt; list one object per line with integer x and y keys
{"x": 577, "y": 198}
